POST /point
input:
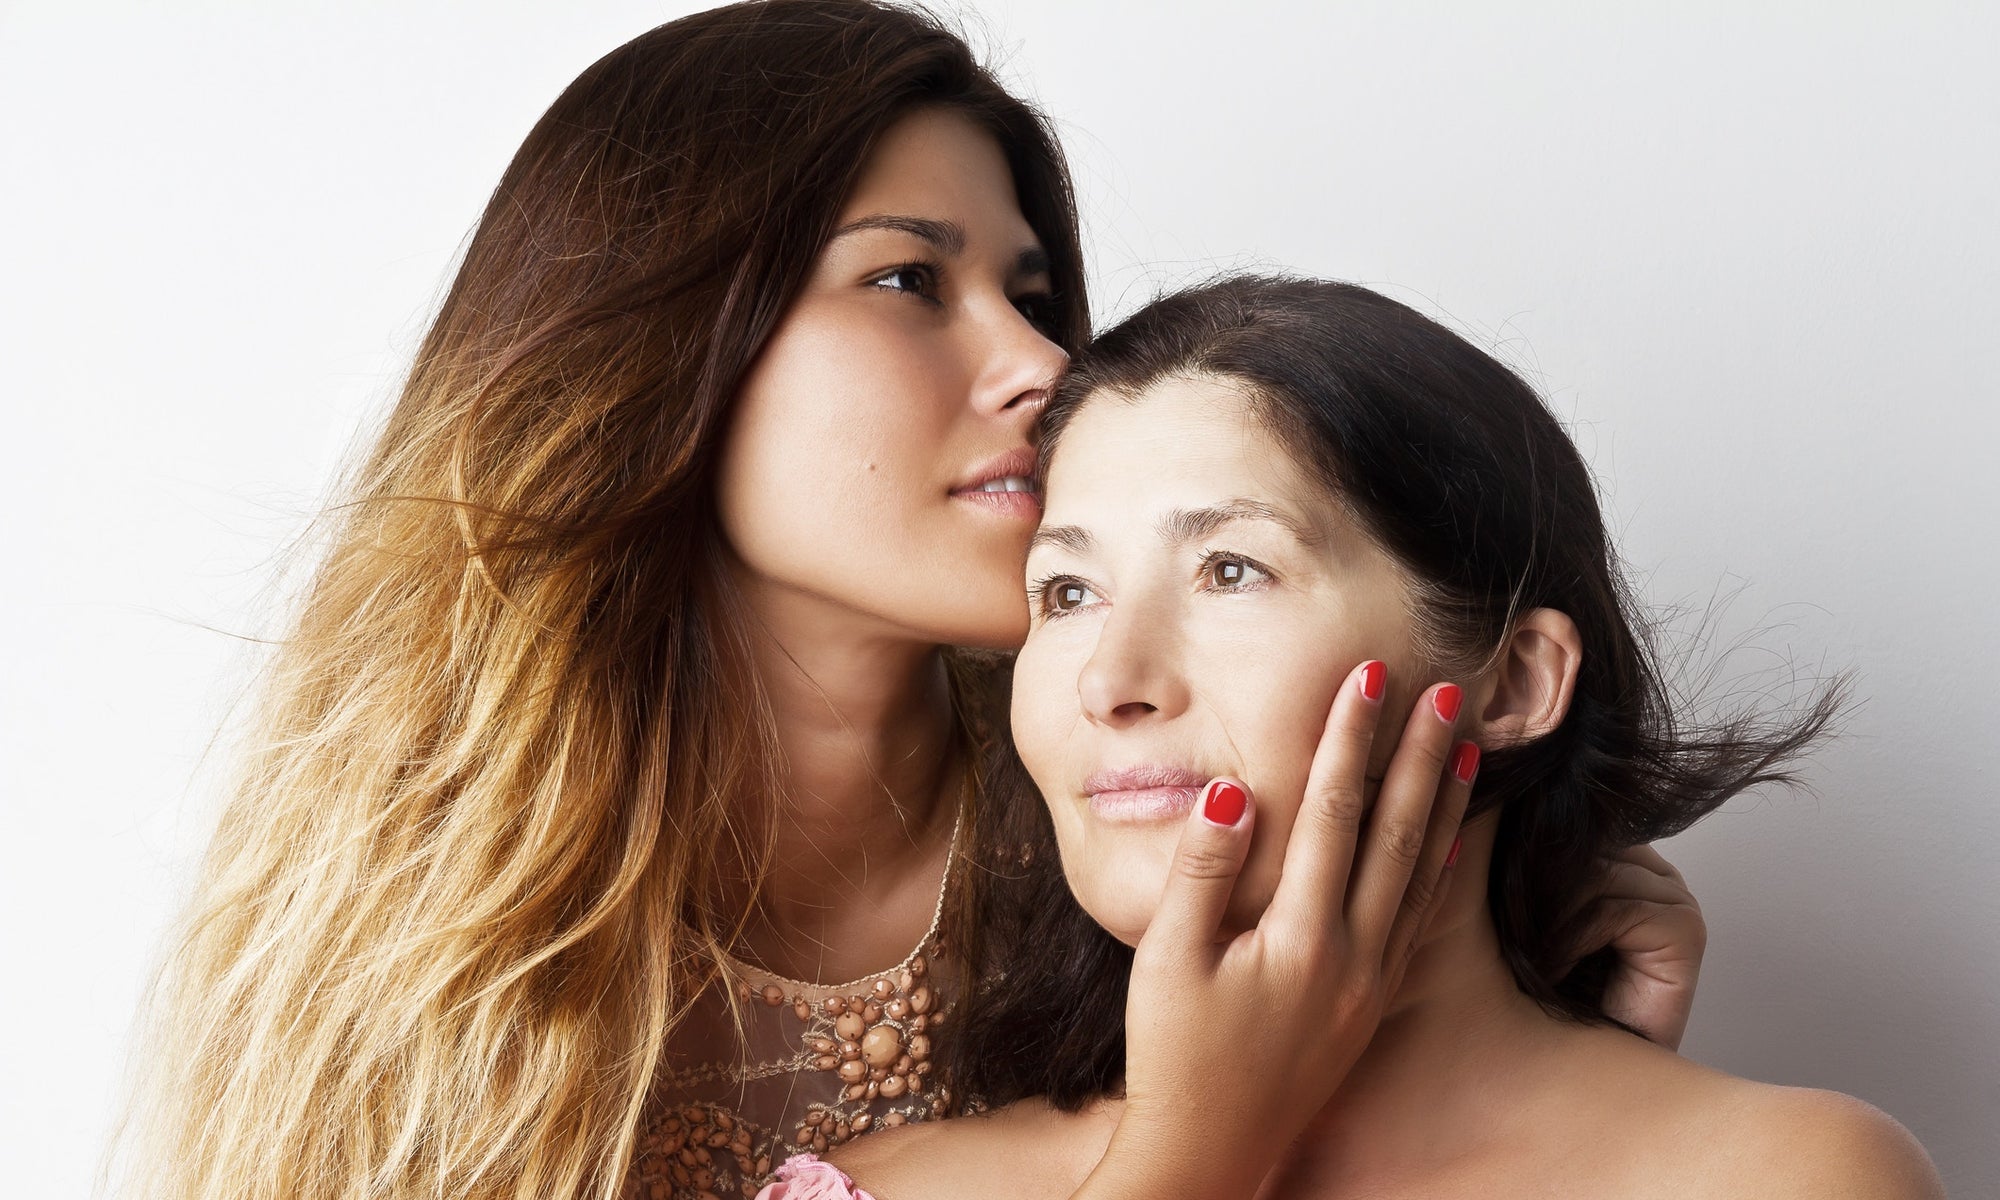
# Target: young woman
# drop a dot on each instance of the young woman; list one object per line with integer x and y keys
{"x": 623, "y": 706}
{"x": 1265, "y": 492}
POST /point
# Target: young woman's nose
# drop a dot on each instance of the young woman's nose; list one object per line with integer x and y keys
{"x": 1021, "y": 365}
{"x": 1131, "y": 673}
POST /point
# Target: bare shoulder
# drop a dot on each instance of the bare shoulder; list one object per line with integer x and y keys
{"x": 1026, "y": 1150}
{"x": 1657, "y": 1124}
{"x": 1785, "y": 1142}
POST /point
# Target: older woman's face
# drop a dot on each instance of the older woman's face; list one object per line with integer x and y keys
{"x": 1195, "y": 598}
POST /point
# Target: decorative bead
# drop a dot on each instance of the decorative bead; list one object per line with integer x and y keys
{"x": 896, "y": 1009}
{"x": 881, "y": 1045}
{"x": 818, "y": 1144}
{"x": 853, "y": 1071}
{"x": 894, "y": 1118}
{"x": 816, "y": 1116}
{"x": 802, "y": 1010}
{"x": 919, "y": 1024}
{"x": 858, "y": 1092}
{"x": 903, "y": 978}
{"x": 834, "y": 1005}
{"x": 871, "y": 1091}
{"x": 920, "y": 998}
{"x": 892, "y": 1087}
{"x": 743, "y": 990}
{"x": 920, "y": 1047}
{"x": 716, "y": 1139}
{"x": 820, "y": 1045}
{"x": 826, "y": 1062}
{"x": 878, "y": 1074}
{"x": 918, "y": 966}
{"x": 763, "y": 1164}
{"x": 849, "y": 1051}
{"x": 691, "y": 1115}
{"x": 862, "y": 1121}
{"x": 872, "y": 1013}
{"x": 850, "y": 1027}
{"x": 884, "y": 989}
{"x": 773, "y": 995}
{"x": 802, "y": 1137}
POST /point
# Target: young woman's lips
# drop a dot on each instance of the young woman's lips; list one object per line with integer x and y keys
{"x": 1003, "y": 486}
{"x": 1143, "y": 795}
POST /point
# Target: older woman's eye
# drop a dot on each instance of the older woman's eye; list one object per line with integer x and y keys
{"x": 1058, "y": 596}
{"x": 1226, "y": 572}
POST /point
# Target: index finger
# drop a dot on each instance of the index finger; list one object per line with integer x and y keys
{"x": 1320, "y": 855}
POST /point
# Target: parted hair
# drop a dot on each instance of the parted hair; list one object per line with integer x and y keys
{"x": 1456, "y": 467}
{"x": 508, "y": 786}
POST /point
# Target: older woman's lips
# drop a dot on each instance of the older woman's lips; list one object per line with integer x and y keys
{"x": 1144, "y": 794}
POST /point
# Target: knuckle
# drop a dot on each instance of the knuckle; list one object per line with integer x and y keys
{"x": 1338, "y": 813}
{"x": 1206, "y": 860}
{"x": 1402, "y": 841}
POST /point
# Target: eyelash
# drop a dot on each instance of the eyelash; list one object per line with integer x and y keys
{"x": 1038, "y": 592}
{"x": 1037, "y": 308}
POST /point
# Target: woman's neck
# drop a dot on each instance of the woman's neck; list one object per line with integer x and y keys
{"x": 866, "y": 801}
{"x": 1460, "y": 1050}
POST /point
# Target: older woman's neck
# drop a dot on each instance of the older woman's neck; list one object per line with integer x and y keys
{"x": 1457, "y": 1037}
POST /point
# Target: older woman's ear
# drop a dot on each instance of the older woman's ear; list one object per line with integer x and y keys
{"x": 1531, "y": 686}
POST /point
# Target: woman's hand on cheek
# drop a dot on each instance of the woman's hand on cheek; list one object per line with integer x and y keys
{"x": 1234, "y": 1043}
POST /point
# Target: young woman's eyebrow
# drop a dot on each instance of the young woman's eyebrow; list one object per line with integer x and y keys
{"x": 1184, "y": 525}
{"x": 947, "y": 237}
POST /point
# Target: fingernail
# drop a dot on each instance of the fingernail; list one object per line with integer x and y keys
{"x": 1224, "y": 803}
{"x": 1465, "y": 762}
{"x": 1373, "y": 675}
{"x": 1447, "y": 700}
{"x": 1451, "y": 859}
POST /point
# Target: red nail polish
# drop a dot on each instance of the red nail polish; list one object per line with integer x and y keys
{"x": 1465, "y": 762}
{"x": 1447, "y": 700}
{"x": 1451, "y": 859}
{"x": 1373, "y": 675}
{"x": 1225, "y": 803}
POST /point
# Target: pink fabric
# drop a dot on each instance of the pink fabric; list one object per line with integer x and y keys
{"x": 805, "y": 1177}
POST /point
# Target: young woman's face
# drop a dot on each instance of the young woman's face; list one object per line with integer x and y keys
{"x": 906, "y": 377}
{"x": 1195, "y": 599}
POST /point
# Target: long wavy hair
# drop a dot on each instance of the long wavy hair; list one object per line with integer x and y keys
{"x": 1457, "y": 469}
{"x": 511, "y": 774}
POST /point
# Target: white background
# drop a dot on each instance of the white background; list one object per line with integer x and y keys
{"x": 1751, "y": 255}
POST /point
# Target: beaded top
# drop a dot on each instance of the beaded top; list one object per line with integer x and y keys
{"x": 818, "y": 1064}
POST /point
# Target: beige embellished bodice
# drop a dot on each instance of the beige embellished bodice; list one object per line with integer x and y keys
{"x": 813, "y": 1065}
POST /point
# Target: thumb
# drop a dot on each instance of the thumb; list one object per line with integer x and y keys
{"x": 1214, "y": 841}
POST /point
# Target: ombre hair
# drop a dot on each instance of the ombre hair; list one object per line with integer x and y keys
{"x": 511, "y": 774}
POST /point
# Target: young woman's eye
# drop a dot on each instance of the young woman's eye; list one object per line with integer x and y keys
{"x": 1061, "y": 595}
{"x": 1224, "y": 572}
{"x": 1041, "y": 311}
{"x": 918, "y": 279}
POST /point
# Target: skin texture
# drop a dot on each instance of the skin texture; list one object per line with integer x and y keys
{"x": 1468, "y": 1089}
{"x": 885, "y": 387}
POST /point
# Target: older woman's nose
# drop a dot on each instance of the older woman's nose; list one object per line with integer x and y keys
{"x": 1133, "y": 672}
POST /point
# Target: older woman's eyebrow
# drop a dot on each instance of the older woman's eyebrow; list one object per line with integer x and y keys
{"x": 1183, "y": 525}
{"x": 1069, "y": 537}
